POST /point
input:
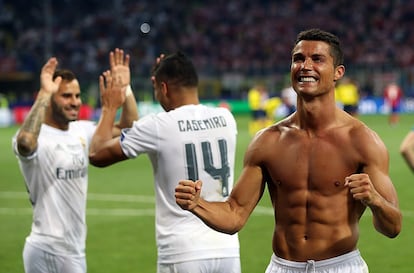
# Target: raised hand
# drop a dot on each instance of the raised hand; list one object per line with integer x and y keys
{"x": 47, "y": 84}
{"x": 119, "y": 63}
{"x": 112, "y": 93}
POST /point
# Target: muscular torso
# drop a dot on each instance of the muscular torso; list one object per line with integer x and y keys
{"x": 316, "y": 217}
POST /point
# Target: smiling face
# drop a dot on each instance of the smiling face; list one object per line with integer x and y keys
{"x": 313, "y": 72}
{"x": 65, "y": 103}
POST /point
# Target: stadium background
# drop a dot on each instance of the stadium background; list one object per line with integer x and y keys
{"x": 234, "y": 44}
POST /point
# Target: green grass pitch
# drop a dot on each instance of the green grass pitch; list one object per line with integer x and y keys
{"x": 120, "y": 213}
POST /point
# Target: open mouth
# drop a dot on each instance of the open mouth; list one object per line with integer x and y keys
{"x": 305, "y": 79}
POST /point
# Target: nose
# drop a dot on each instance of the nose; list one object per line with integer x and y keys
{"x": 75, "y": 100}
{"x": 307, "y": 64}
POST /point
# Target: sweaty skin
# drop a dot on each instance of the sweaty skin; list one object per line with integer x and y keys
{"x": 315, "y": 214}
{"x": 322, "y": 167}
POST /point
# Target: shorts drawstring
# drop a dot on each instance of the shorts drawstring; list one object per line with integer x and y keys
{"x": 310, "y": 264}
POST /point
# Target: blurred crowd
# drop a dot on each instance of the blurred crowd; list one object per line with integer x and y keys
{"x": 223, "y": 36}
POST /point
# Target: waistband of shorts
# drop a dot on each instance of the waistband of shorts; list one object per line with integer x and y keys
{"x": 318, "y": 264}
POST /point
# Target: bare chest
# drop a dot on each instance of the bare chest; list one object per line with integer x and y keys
{"x": 312, "y": 163}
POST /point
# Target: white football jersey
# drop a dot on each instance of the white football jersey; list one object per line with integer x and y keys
{"x": 56, "y": 177}
{"x": 190, "y": 142}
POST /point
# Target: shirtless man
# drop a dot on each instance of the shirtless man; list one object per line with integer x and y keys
{"x": 322, "y": 167}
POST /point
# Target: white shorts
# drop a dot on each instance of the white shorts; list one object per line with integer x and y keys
{"x": 227, "y": 265}
{"x": 351, "y": 262}
{"x": 36, "y": 260}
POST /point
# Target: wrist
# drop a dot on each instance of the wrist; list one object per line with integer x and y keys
{"x": 128, "y": 91}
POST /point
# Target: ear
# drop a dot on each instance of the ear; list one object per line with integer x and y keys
{"x": 339, "y": 72}
{"x": 164, "y": 89}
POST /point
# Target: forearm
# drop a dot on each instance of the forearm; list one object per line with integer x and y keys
{"x": 129, "y": 112}
{"x": 103, "y": 130}
{"x": 408, "y": 155}
{"x": 30, "y": 129}
{"x": 387, "y": 218}
{"x": 407, "y": 149}
{"x": 220, "y": 216}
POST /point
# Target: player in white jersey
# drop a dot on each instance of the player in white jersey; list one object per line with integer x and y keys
{"x": 188, "y": 140}
{"x": 52, "y": 150}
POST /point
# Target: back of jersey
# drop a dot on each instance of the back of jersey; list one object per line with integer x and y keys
{"x": 191, "y": 142}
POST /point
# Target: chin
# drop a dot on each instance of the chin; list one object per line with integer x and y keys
{"x": 73, "y": 118}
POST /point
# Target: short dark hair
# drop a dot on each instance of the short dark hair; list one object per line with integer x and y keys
{"x": 176, "y": 69}
{"x": 65, "y": 74}
{"x": 316, "y": 34}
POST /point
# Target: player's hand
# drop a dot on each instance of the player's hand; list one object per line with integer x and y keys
{"x": 157, "y": 62}
{"x": 47, "y": 84}
{"x": 361, "y": 188}
{"x": 187, "y": 194}
{"x": 119, "y": 62}
{"x": 112, "y": 93}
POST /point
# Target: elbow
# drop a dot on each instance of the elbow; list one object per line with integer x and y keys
{"x": 233, "y": 231}
{"x": 26, "y": 145}
{"x": 397, "y": 228}
{"x": 393, "y": 233}
{"x": 94, "y": 161}
{"x": 233, "y": 227}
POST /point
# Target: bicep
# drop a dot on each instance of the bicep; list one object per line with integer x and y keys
{"x": 377, "y": 167}
{"x": 247, "y": 191}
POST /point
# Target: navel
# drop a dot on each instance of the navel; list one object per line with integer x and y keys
{"x": 337, "y": 183}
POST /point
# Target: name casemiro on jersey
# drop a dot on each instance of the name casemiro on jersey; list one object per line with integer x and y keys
{"x": 190, "y": 125}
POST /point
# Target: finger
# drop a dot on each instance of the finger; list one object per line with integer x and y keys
{"x": 101, "y": 84}
{"x": 50, "y": 65}
{"x": 108, "y": 78}
{"x": 119, "y": 56}
{"x": 198, "y": 184}
{"x": 184, "y": 195}
{"x": 111, "y": 59}
{"x": 185, "y": 182}
{"x": 127, "y": 59}
{"x": 58, "y": 80}
{"x": 185, "y": 189}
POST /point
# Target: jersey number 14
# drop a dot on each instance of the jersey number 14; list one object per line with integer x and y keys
{"x": 222, "y": 173}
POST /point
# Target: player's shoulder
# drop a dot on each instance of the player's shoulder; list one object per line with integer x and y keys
{"x": 365, "y": 138}
{"x": 358, "y": 128}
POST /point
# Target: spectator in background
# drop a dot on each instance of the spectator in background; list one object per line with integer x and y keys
{"x": 6, "y": 116}
{"x": 347, "y": 94}
{"x": 52, "y": 150}
{"x": 288, "y": 98}
{"x": 258, "y": 97}
{"x": 188, "y": 140}
{"x": 407, "y": 149}
{"x": 392, "y": 100}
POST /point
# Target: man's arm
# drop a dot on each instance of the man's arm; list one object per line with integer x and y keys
{"x": 374, "y": 187}
{"x": 407, "y": 149}
{"x": 231, "y": 215}
{"x": 120, "y": 71}
{"x": 104, "y": 148}
{"x": 30, "y": 129}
